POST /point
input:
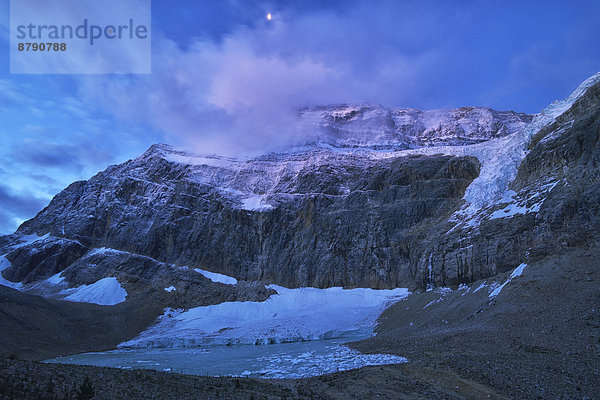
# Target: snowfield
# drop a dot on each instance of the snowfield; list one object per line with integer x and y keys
{"x": 106, "y": 292}
{"x": 290, "y": 315}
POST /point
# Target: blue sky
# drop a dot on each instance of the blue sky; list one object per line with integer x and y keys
{"x": 225, "y": 79}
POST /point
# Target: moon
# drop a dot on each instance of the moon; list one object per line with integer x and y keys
{"x": 269, "y": 16}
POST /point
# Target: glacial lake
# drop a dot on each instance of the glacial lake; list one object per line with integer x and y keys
{"x": 281, "y": 360}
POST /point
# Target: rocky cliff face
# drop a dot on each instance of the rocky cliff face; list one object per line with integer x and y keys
{"x": 316, "y": 218}
{"x": 388, "y": 198}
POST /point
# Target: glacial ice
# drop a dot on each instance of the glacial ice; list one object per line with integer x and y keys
{"x": 500, "y": 159}
{"x": 279, "y": 361}
{"x": 290, "y": 315}
{"x": 338, "y": 358}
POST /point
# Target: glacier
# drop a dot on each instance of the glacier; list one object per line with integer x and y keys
{"x": 374, "y": 133}
{"x": 290, "y": 315}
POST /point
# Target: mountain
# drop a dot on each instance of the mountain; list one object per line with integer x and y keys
{"x": 385, "y": 198}
{"x": 338, "y": 212}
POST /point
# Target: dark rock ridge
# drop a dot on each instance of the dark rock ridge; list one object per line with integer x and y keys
{"x": 42, "y": 260}
{"x": 142, "y": 277}
{"x": 349, "y": 211}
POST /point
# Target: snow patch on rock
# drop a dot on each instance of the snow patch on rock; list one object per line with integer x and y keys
{"x": 211, "y": 161}
{"x": 29, "y": 239}
{"x": 517, "y": 272}
{"x": 218, "y": 278}
{"x": 480, "y": 287}
{"x": 531, "y": 204}
{"x": 4, "y": 263}
{"x": 255, "y": 203}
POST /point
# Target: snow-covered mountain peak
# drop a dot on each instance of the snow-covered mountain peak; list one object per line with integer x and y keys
{"x": 367, "y": 128}
{"x": 401, "y": 189}
{"x": 354, "y": 136}
{"x": 363, "y": 134}
{"x": 379, "y": 127}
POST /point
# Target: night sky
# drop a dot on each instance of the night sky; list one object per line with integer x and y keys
{"x": 225, "y": 79}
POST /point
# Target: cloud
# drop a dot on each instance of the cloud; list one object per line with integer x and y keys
{"x": 237, "y": 90}
{"x": 241, "y": 93}
{"x": 235, "y": 86}
{"x": 43, "y": 179}
{"x": 16, "y": 206}
{"x": 66, "y": 156}
{"x": 49, "y": 139}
